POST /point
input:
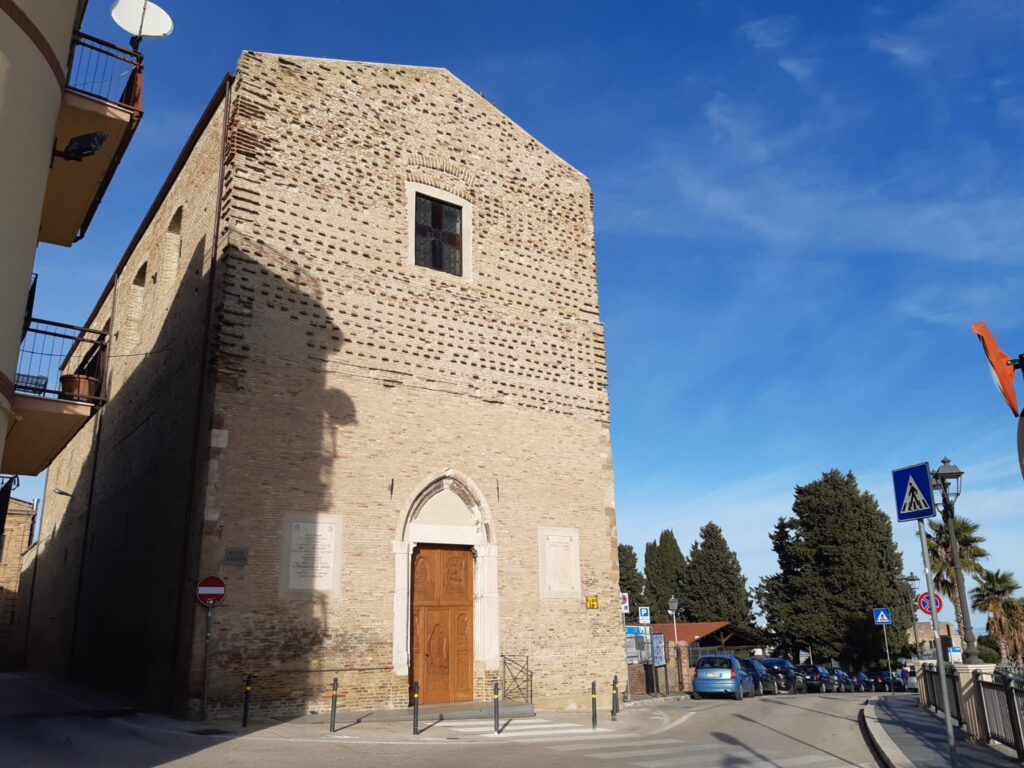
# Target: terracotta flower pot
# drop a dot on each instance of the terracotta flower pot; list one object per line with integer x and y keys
{"x": 74, "y": 386}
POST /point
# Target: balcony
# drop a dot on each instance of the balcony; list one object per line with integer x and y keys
{"x": 103, "y": 95}
{"x": 57, "y": 388}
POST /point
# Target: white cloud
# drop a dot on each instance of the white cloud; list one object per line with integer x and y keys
{"x": 906, "y": 49}
{"x": 800, "y": 70}
{"x": 773, "y": 32}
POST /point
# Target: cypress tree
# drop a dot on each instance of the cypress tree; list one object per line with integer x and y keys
{"x": 630, "y": 580}
{"x": 837, "y": 561}
{"x": 663, "y": 568}
{"x": 713, "y": 587}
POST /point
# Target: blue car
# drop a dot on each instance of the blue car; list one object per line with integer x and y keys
{"x": 721, "y": 674}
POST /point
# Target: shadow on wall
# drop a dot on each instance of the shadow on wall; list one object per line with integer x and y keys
{"x": 114, "y": 599}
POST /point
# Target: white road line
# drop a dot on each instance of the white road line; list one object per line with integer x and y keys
{"x": 515, "y": 727}
{"x": 568, "y": 743}
{"x": 734, "y": 757}
{"x": 631, "y": 740}
{"x": 558, "y": 737}
{"x": 654, "y": 752}
{"x": 674, "y": 723}
{"x": 788, "y": 761}
{"x": 489, "y": 721}
{"x": 538, "y": 733}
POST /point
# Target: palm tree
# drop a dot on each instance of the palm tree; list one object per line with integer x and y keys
{"x": 994, "y": 595}
{"x": 941, "y": 552}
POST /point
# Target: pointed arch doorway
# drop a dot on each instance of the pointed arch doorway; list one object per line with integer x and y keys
{"x": 446, "y": 590}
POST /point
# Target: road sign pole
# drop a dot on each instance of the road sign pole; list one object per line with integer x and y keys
{"x": 888, "y": 661}
{"x": 206, "y": 657}
{"x": 943, "y": 684}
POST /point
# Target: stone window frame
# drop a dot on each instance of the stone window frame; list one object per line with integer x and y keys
{"x": 412, "y": 188}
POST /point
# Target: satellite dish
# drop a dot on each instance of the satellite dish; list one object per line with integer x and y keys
{"x": 142, "y": 19}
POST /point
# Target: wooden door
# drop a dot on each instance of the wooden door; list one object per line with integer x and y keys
{"x": 442, "y": 623}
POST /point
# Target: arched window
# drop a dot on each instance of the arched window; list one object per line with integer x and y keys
{"x": 170, "y": 253}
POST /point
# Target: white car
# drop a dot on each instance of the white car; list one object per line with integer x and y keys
{"x": 912, "y": 682}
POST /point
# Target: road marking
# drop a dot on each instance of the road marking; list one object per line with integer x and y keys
{"x": 644, "y": 752}
{"x": 733, "y": 757}
{"x": 514, "y": 727}
{"x": 788, "y": 761}
{"x": 629, "y": 740}
{"x": 674, "y": 723}
{"x": 590, "y": 736}
{"x": 538, "y": 733}
{"x": 490, "y": 722}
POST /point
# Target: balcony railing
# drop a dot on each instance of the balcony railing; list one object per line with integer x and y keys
{"x": 106, "y": 71}
{"x": 62, "y": 361}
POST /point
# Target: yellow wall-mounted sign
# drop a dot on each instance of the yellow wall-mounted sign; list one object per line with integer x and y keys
{"x": 591, "y": 601}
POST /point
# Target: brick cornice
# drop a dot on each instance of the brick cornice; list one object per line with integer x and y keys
{"x": 33, "y": 33}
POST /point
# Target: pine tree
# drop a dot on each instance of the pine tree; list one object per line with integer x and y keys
{"x": 837, "y": 561}
{"x": 713, "y": 587}
{"x": 630, "y": 580}
{"x": 663, "y": 569}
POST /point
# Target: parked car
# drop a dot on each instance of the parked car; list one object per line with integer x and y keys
{"x": 912, "y": 682}
{"x": 879, "y": 681}
{"x": 788, "y": 677}
{"x": 764, "y": 682}
{"x": 844, "y": 682}
{"x": 819, "y": 679}
{"x": 721, "y": 674}
{"x": 895, "y": 682}
{"x": 862, "y": 682}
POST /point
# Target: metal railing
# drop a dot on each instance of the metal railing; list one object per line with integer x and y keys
{"x": 105, "y": 71}
{"x": 1002, "y": 704}
{"x": 933, "y": 692}
{"x": 516, "y": 679}
{"x": 61, "y": 361}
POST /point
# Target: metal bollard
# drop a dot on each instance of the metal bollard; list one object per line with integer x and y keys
{"x": 416, "y": 708}
{"x": 334, "y": 703}
{"x": 496, "y": 727}
{"x": 615, "y": 698}
{"x": 593, "y": 705}
{"x": 245, "y": 702}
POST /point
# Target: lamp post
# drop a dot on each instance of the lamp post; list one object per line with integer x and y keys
{"x": 947, "y": 479}
{"x": 673, "y": 606}
{"x": 911, "y": 581}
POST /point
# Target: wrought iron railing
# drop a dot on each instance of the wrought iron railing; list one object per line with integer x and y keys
{"x": 1002, "y": 706}
{"x": 516, "y": 679}
{"x": 61, "y": 361}
{"x": 106, "y": 71}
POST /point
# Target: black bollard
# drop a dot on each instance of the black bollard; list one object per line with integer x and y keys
{"x": 615, "y": 698}
{"x": 416, "y": 708}
{"x": 245, "y": 701}
{"x": 593, "y": 705}
{"x": 334, "y": 703}
{"x": 496, "y": 707}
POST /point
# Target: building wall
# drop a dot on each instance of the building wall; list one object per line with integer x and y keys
{"x": 114, "y": 617}
{"x": 16, "y": 534}
{"x": 30, "y": 96}
{"x": 347, "y": 379}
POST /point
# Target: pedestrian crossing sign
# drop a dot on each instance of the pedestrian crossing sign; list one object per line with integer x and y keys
{"x": 913, "y": 487}
{"x": 882, "y": 616}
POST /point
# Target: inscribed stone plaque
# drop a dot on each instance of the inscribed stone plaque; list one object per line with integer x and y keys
{"x": 311, "y": 554}
{"x": 559, "y": 550}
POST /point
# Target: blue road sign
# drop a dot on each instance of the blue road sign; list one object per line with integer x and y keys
{"x": 882, "y": 616}
{"x": 632, "y": 629}
{"x": 913, "y": 486}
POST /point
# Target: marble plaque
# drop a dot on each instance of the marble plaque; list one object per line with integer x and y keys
{"x": 311, "y": 555}
{"x": 559, "y": 562}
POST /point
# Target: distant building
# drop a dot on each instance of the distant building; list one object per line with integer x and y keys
{"x": 357, "y": 370}
{"x": 16, "y": 518}
{"x": 947, "y": 634}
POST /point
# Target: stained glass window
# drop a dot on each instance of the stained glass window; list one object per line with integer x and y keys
{"x": 438, "y": 235}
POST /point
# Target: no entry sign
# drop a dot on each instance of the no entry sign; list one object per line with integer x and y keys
{"x": 210, "y": 590}
{"x": 925, "y": 602}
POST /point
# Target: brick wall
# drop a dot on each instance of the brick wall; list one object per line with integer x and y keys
{"x": 16, "y": 533}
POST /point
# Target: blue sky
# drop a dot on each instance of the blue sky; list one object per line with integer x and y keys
{"x": 800, "y": 209}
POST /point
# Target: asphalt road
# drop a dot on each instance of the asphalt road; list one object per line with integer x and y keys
{"x": 817, "y": 731}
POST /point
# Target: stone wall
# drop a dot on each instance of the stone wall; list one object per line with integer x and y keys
{"x": 16, "y": 533}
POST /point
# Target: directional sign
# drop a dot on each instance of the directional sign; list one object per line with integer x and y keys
{"x": 210, "y": 590}
{"x": 882, "y": 616}
{"x": 644, "y": 615}
{"x": 633, "y": 629}
{"x": 913, "y": 486}
{"x": 925, "y": 602}
{"x": 624, "y": 596}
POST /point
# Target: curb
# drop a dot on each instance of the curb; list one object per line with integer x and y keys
{"x": 656, "y": 700}
{"x": 891, "y": 755}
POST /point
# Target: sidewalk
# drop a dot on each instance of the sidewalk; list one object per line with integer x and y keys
{"x": 907, "y": 736}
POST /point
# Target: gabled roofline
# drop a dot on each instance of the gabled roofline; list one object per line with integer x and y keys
{"x": 172, "y": 176}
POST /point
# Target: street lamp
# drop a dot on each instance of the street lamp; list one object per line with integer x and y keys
{"x": 912, "y": 580}
{"x": 948, "y": 479}
{"x": 673, "y": 606}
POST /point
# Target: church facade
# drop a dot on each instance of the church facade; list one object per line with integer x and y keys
{"x": 357, "y": 371}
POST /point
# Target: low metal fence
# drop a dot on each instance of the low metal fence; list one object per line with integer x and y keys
{"x": 516, "y": 679}
{"x": 933, "y": 692}
{"x": 1002, "y": 705}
